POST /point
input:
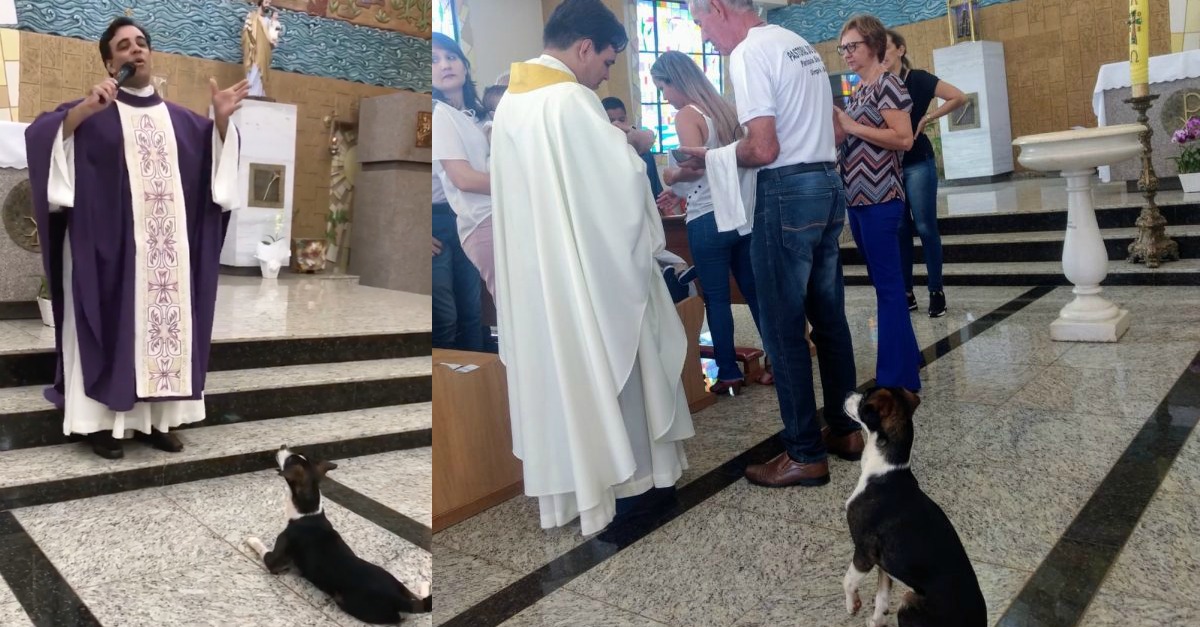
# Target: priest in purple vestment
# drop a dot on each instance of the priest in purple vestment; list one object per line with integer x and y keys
{"x": 132, "y": 196}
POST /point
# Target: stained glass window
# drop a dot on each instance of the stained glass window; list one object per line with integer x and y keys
{"x": 667, "y": 25}
{"x": 445, "y": 19}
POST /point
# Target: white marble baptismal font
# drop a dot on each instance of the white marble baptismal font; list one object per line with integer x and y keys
{"x": 1076, "y": 154}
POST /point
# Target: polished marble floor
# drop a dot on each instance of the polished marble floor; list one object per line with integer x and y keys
{"x": 1033, "y": 194}
{"x": 1016, "y": 437}
{"x": 292, "y": 306}
{"x": 175, "y": 555}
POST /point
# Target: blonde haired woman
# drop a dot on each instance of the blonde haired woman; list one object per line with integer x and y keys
{"x": 706, "y": 119}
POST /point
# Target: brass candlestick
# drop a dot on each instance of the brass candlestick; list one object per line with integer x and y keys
{"x": 1151, "y": 246}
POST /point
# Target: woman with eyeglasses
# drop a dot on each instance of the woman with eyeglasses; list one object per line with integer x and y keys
{"x": 872, "y": 134}
{"x": 920, "y": 172}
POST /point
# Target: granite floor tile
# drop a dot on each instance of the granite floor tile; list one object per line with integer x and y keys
{"x": 219, "y": 592}
{"x": 1035, "y": 440}
{"x": 462, "y": 580}
{"x": 34, "y": 465}
{"x": 400, "y": 480}
{"x": 510, "y": 535}
{"x": 1161, "y": 559}
{"x": 1100, "y": 391}
{"x": 1151, "y": 332}
{"x": 1121, "y": 295}
{"x": 693, "y": 570}
{"x": 1164, "y": 359}
{"x": 138, "y": 533}
{"x": 248, "y": 505}
{"x": 822, "y": 602}
{"x": 712, "y": 448}
{"x": 1116, "y": 609}
{"x": 13, "y": 615}
{"x": 1184, "y": 475}
{"x": 6, "y": 593}
{"x": 564, "y": 608}
{"x": 1013, "y": 344}
{"x": 957, "y": 376}
{"x": 1002, "y": 515}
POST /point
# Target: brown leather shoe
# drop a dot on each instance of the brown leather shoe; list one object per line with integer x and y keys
{"x": 783, "y": 471}
{"x": 168, "y": 442}
{"x": 848, "y": 447}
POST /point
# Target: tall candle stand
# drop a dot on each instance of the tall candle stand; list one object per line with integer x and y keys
{"x": 1151, "y": 246}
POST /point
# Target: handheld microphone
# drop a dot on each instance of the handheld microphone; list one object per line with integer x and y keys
{"x": 124, "y": 73}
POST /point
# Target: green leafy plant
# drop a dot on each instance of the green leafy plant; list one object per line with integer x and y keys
{"x": 1188, "y": 161}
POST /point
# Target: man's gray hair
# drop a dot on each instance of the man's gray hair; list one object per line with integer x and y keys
{"x": 704, "y": 6}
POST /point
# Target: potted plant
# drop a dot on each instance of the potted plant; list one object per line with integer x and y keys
{"x": 44, "y": 303}
{"x": 273, "y": 252}
{"x": 1188, "y": 161}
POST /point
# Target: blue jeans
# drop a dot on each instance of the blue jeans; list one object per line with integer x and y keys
{"x": 920, "y": 186}
{"x": 715, "y": 255}
{"x": 457, "y": 312}
{"x": 798, "y": 272}
{"x": 875, "y": 229}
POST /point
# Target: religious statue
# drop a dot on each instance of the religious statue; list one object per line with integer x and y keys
{"x": 260, "y": 35}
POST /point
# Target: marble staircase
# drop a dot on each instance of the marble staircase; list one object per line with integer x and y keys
{"x": 1015, "y": 247}
{"x": 331, "y": 368}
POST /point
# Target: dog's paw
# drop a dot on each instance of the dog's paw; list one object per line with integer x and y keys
{"x": 423, "y": 589}
{"x": 877, "y": 622}
{"x": 257, "y": 546}
{"x": 853, "y": 603}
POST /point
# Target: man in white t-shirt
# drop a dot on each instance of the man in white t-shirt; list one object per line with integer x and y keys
{"x": 786, "y": 104}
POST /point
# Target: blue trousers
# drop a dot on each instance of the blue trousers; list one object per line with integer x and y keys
{"x": 715, "y": 255}
{"x": 876, "y": 229}
{"x": 457, "y": 312}
{"x": 920, "y": 186}
{"x": 798, "y": 217}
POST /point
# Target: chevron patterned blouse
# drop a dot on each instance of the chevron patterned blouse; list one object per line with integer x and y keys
{"x": 872, "y": 175}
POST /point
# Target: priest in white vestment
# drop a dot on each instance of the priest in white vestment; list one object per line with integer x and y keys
{"x": 132, "y": 196}
{"x": 591, "y": 340}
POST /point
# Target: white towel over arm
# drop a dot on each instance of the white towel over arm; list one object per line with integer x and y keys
{"x": 733, "y": 189}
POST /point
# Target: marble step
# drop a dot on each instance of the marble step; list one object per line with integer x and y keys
{"x": 27, "y": 419}
{"x": 1056, "y": 219}
{"x": 51, "y": 474}
{"x": 1034, "y": 246}
{"x": 1183, "y": 272}
{"x": 27, "y": 351}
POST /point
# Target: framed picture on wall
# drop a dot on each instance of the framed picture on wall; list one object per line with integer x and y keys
{"x": 266, "y": 185}
{"x": 962, "y": 15}
{"x": 424, "y": 129}
{"x": 966, "y": 117}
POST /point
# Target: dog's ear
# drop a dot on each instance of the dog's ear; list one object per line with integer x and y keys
{"x": 294, "y": 473}
{"x": 872, "y": 410}
{"x": 324, "y": 466}
{"x": 910, "y": 398}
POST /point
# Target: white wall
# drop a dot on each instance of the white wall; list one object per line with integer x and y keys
{"x": 502, "y": 33}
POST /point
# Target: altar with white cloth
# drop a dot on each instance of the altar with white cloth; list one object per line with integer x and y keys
{"x": 22, "y": 264}
{"x": 1175, "y": 78}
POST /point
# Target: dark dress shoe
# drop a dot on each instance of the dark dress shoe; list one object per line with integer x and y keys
{"x": 105, "y": 445}
{"x": 848, "y": 447}
{"x": 783, "y": 471}
{"x": 732, "y": 388}
{"x": 168, "y": 442}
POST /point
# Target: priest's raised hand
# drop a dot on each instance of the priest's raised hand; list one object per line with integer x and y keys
{"x": 226, "y": 102}
{"x": 99, "y": 98}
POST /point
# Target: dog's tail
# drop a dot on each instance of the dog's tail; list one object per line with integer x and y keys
{"x": 419, "y": 602}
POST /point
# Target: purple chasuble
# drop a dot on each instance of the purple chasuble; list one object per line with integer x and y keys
{"x": 102, "y": 247}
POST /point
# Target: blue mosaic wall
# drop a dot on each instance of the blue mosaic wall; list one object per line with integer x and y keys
{"x": 211, "y": 29}
{"x": 821, "y": 20}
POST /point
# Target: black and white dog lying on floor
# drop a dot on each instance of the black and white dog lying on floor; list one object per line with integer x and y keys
{"x": 362, "y": 589}
{"x": 898, "y": 528}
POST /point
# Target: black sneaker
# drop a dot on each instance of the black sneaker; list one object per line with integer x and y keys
{"x": 937, "y": 304}
{"x": 912, "y": 301}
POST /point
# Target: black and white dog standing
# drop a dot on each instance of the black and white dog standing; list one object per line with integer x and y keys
{"x": 362, "y": 589}
{"x": 898, "y": 528}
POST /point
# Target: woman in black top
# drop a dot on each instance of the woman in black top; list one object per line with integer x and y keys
{"x": 920, "y": 171}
